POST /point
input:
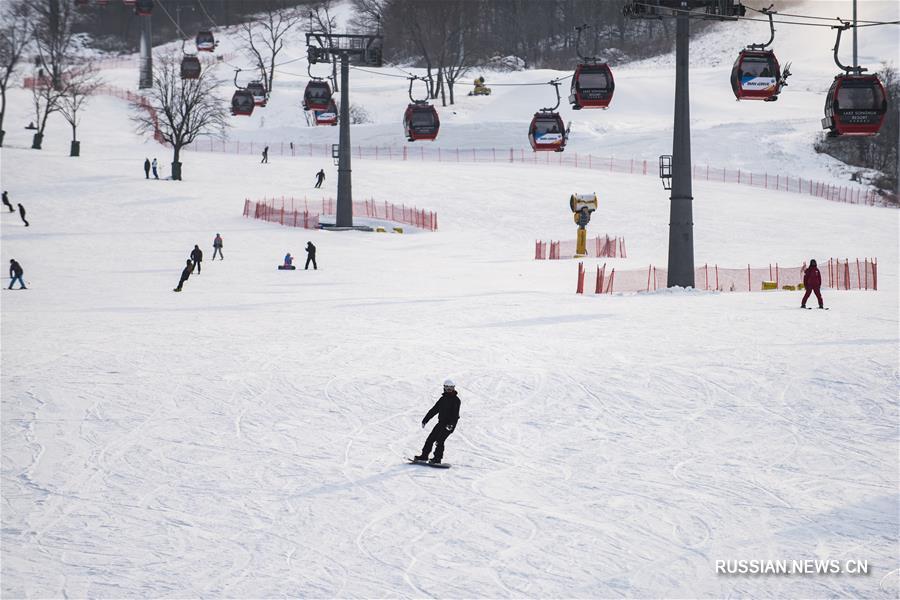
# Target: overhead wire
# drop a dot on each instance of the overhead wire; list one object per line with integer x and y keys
{"x": 678, "y": 11}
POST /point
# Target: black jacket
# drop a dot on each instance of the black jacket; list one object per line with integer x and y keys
{"x": 197, "y": 255}
{"x": 446, "y": 408}
{"x": 186, "y": 272}
{"x": 147, "y": 165}
{"x": 15, "y": 269}
{"x": 310, "y": 249}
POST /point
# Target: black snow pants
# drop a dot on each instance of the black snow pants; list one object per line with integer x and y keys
{"x": 438, "y": 436}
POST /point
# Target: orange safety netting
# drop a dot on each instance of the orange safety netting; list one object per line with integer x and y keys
{"x": 599, "y": 247}
{"x": 301, "y": 212}
{"x": 836, "y": 275}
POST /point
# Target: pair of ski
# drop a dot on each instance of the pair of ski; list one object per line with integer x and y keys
{"x": 810, "y": 307}
{"x": 440, "y": 465}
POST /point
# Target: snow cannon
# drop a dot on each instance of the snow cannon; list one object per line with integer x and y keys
{"x": 582, "y": 206}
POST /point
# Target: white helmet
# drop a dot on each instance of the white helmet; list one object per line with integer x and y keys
{"x": 448, "y": 383}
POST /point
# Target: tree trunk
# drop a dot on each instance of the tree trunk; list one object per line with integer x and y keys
{"x": 75, "y": 146}
{"x": 176, "y": 165}
{"x": 2, "y": 113}
{"x": 450, "y": 83}
{"x": 37, "y": 140}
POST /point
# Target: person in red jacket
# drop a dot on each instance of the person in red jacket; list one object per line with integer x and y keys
{"x": 812, "y": 281}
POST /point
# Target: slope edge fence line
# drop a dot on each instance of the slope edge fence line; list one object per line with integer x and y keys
{"x": 300, "y": 212}
{"x": 841, "y": 275}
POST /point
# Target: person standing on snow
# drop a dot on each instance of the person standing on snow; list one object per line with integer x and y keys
{"x": 310, "y": 256}
{"x": 320, "y": 177}
{"x": 15, "y": 274}
{"x": 265, "y": 158}
{"x": 185, "y": 273}
{"x": 197, "y": 258}
{"x": 217, "y": 247}
{"x": 6, "y": 201}
{"x": 146, "y": 168}
{"x": 155, "y": 173}
{"x": 22, "y": 213}
{"x": 812, "y": 281}
{"x": 447, "y": 409}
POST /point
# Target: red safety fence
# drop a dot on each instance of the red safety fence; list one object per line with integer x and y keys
{"x": 300, "y": 212}
{"x": 772, "y": 181}
{"x": 836, "y": 275}
{"x": 599, "y": 247}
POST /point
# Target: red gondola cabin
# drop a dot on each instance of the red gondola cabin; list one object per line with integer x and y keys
{"x": 260, "y": 97}
{"x": 547, "y": 132}
{"x": 317, "y": 95}
{"x": 190, "y": 67}
{"x": 592, "y": 86}
{"x": 421, "y": 122}
{"x": 755, "y": 75}
{"x": 242, "y": 103}
{"x": 855, "y": 105}
{"x": 329, "y": 116}
{"x": 205, "y": 41}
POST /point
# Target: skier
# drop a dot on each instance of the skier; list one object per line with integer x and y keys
{"x": 6, "y": 201}
{"x": 320, "y": 177}
{"x": 217, "y": 247}
{"x": 185, "y": 273}
{"x": 15, "y": 274}
{"x": 197, "y": 258}
{"x": 155, "y": 173}
{"x": 812, "y": 281}
{"x": 447, "y": 409}
{"x": 147, "y": 168}
{"x": 310, "y": 256}
{"x": 22, "y": 213}
{"x": 265, "y": 157}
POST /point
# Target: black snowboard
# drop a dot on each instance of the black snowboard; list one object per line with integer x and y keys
{"x": 442, "y": 465}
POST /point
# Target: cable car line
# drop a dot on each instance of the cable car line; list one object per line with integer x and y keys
{"x": 677, "y": 11}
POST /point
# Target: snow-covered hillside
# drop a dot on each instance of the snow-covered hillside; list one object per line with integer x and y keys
{"x": 245, "y": 438}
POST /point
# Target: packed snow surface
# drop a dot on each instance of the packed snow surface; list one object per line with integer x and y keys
{"x": 245, "y": 438}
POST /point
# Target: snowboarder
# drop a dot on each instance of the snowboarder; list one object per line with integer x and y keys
{"x": 147, "y": 168}
{"x": 22, "y": 213}
{"x": 310, "y": 256}
{"x": 447, "y": 409}
{"x": 217, "y": 247}
{"x": 265, "y": 157}
{"x": 155, "y": 173}
{"x": 197, "y": 258}
{"x": 288, "y": 260}
{"x": 812, "y": 281}
{"x": 6, "y": 201}
{"x": 185, "y": 273}
{"x": 15, "y": 274}
{"x": 320, "y": 177}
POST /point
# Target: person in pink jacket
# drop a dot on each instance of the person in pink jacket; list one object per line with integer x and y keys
{"x": 812, "y": 281}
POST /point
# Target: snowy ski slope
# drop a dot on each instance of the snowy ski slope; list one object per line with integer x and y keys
{"x": 245, "y": 438}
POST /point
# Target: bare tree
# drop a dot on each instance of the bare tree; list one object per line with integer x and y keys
{"x": 56, "y": 53}
{"x": 54, "y": 38}
{"x": 263, "y": 36}
{"x": 46, "y": 100}
{"x": 15, "y": 35}
{"x": 80, "y": 85}
{"x": 178, "y": 111}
